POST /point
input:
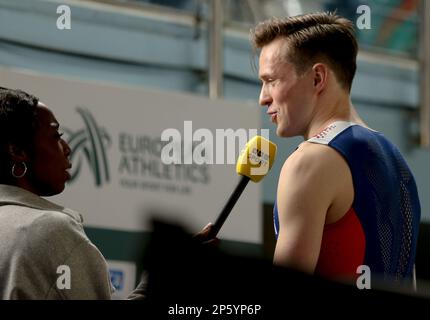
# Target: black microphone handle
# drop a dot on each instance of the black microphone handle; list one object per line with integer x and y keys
{"x": 229, "y": 206}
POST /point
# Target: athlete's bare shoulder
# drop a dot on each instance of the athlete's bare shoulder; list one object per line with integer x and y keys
{"x": 318, "y": 165}
{"x": 314, "y": 155}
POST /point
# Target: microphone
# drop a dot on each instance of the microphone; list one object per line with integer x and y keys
{"x": 253, "y": 163}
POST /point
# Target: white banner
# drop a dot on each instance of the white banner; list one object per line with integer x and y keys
{"x": 119, "y": 180}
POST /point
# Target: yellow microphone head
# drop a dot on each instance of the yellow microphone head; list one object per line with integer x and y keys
{"x": 256, "y": 158}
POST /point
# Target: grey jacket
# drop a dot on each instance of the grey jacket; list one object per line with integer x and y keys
{"x": 40, "y": 242}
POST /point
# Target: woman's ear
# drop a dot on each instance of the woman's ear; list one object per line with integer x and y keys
{"x": 17, "y": 154}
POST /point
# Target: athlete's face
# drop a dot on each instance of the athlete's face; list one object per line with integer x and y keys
{"x": 288, "y": 96}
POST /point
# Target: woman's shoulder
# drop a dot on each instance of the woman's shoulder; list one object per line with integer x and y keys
{"x": 57, "y": 225}
{"x": 14, "y": 200}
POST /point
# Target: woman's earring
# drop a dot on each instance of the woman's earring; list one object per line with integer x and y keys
{"x": 19, "y": 175}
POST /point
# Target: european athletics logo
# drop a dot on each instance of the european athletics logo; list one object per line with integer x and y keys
{"x": 89, "y": 143}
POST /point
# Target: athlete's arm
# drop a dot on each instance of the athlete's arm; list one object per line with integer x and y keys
{"x": 308, "y": 185}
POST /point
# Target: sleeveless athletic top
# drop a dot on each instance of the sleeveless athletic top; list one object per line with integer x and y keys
{"x": 380, "y": 230}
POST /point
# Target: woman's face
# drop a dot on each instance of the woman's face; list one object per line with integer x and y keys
{"x": 49, "y": 162}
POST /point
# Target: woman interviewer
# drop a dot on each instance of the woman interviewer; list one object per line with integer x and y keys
{"x": 41, "y": 243}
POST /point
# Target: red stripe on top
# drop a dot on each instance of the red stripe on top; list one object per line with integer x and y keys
{"x": 342, "y": 248}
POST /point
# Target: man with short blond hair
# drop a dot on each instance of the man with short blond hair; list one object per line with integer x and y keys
{"x": 346, "y": 197}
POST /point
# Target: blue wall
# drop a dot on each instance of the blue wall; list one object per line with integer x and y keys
{"x": 141, "y": 48}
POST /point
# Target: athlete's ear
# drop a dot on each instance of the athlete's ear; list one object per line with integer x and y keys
{"x": 320, "y": 73}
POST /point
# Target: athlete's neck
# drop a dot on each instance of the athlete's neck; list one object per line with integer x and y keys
{"x": 332, "y": 110}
